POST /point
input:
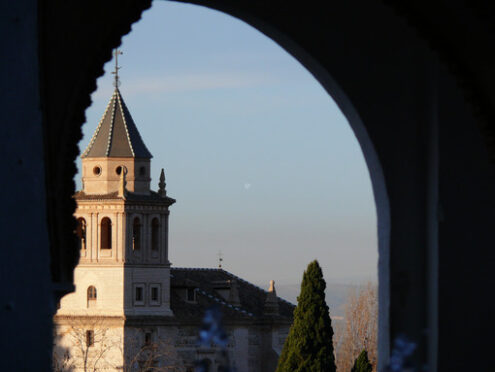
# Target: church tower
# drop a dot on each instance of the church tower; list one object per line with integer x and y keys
{"x": 123, "y": 275}
{"x": 120, "y": 318}
{"x": 122, "y": 225}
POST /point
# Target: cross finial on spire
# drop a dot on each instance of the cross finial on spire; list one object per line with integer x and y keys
{"x": 220, "y": 259}
{"x": 117, "y": 68}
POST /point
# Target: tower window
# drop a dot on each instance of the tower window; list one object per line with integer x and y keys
{"x": 118, "y": 170}
{"x": 91, "y": 293}
{"x": 106, "y": 234}
{"x": 136, "y": 234}
{"x": 97, "y": 170}
{"x": 91, "y": 296}
{"x": 154, "y": 294}
{"x": 155, "y": 234}
{"x": 90, "y": 338}
{"x": 142, "y": 171}
{"x": 139, "y": 294}
{"x": 81, "y": 232}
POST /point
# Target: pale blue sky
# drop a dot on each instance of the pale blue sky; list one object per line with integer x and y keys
{"x": 262, "y": 163}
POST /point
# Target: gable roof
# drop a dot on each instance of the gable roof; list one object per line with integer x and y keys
{"x": 206, "y": 282}
{"x": 116, "y": 134}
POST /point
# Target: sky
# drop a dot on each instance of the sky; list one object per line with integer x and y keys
{"x": 262, "y": 163}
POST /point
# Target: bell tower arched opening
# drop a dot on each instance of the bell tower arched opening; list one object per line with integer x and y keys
{"x": 106, "y": 233}
{"x": 81, "y": 232}
{"x": 136, "y": 234}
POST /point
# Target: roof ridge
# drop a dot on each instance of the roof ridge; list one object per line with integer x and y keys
{"x": 258, "y": 288}
{"x": 120, "y": 99}
{"x": 95, "y": 134}
{"x": 112, "y": 121}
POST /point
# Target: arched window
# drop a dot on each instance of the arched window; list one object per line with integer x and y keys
{"x": 155, "y": 234}
{"x": 81, "y": 232}
{"x": 136, "y": 234}
{"x": 106, "y": 234}
{"x": 91, "y": 296}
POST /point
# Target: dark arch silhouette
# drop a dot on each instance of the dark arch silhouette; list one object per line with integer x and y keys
{"x": 433, "y": 142}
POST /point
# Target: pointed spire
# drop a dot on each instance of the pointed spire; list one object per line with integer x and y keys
{"x": 116, "y": 134}
{"x": 161, "y": 185}
{"x": 271, "y": 302}
{"x": 122, "y": 191}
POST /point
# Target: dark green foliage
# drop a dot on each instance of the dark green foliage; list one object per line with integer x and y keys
{"x": 362, "y": 364}
{"x": 308, "y": 347}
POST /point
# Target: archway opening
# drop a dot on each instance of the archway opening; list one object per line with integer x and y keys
{"x": 288, "y": 194}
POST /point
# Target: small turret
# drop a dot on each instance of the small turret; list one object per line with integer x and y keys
{"x": 161, "y": 185}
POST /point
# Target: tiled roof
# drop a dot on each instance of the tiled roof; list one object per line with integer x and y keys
{"x": 206, "y": 282}
{"x": 116, "y": 134}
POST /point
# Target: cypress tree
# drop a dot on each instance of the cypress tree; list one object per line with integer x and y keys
{"x": 309, "y": 347}
{"x": 362, "y": 364}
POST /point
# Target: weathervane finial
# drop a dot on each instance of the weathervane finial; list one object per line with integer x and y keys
{"x": 117, "y": 67}
{"x": 220, "y": 259}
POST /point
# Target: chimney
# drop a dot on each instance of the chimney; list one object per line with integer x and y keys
{"x": 271, "y": 302}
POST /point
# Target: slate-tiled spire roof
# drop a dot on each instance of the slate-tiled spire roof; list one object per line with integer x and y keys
{"x": 116, "y": 134}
